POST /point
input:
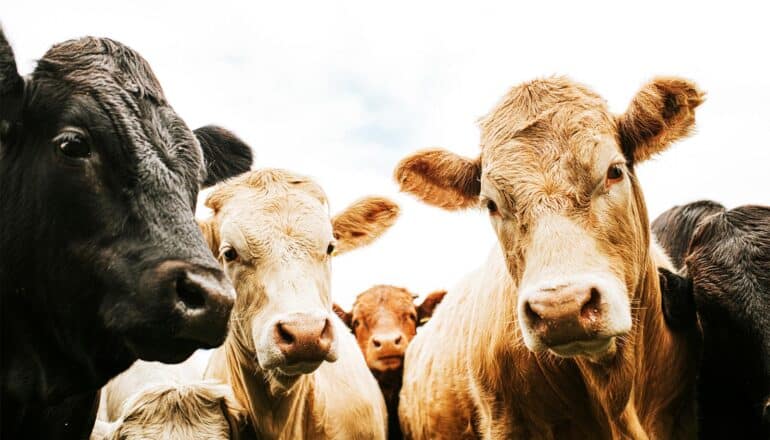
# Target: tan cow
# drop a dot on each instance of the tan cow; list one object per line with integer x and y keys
{"x": 560, "y": 333}
{"x": 168, "y": 402}
{"x": 291, "y": 362}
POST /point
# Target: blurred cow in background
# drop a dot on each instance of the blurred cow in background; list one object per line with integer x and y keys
{"x": 384, "y": 319}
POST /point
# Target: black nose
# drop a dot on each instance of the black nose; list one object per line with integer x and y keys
{"x": 202, "y": 297}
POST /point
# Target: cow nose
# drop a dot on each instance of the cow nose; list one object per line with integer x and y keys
{"x": 202, "y": 297}
{"x": 389, "y": 342}
{"x": 563, "y": 315}
{"x": 305, "y": 339}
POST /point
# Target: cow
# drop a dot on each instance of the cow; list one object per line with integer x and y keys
{"x": 726, "y": 278}
{"x": 384, "y": 319}
{"x": 101, "y": 261}
{"x": 559, "y": 334}
{"x": 291, "y": 362}
{"x": 169, "y": 401}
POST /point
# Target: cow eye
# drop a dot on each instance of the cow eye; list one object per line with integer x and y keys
{"x": 330, "y": 249}
{"x": 614, "y": 174}
{"x": 413, "y": 317}
{"x": 356, "y": 323}
{"x": 492, "y": 207}
{"x": 73, "y": 144}
{"x": 229, "y": 254}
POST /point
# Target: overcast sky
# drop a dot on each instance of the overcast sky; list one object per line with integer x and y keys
{"x": 342, "y": 90}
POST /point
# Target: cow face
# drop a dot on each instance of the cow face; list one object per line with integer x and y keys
{"x": 274, "y": 235}
{"x": 556, "y": 177}
{"x": 384, "y": 319}
{"x": 202, "y": 410}
{"x": 100, "y": 178}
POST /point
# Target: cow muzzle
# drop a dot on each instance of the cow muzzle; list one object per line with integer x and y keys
{"x": 297, "y": 343}
{"x": 194, "y": 301}
{"x": 574, "y": 318}
{"x": 386, "y": 350}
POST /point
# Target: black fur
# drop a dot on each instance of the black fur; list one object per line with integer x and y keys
{"x": 79, "y": 238}
{"x": 728, "y": 275}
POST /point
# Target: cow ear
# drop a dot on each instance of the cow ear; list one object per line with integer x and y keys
{"x": 224, "y": 155}
{"x": 103, "y": 430}
{"x": 677, "y": 300}
{"x": 441, "y": 178}
{"x": 363, "y": 222}
{"x": 662, "y": 112}
{"x": 428, "y": 306}
{"x": 11, "y": 86}
{"x": 346, "y": 317}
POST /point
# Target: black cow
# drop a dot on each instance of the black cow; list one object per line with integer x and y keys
{"x": 727, "y": 278}
{"x": 101, "y": 261}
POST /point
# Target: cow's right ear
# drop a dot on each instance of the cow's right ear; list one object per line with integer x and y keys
{"x": 428, "y": 306}
{"x": 441, "y": 178}
{"x": 224, "y": 154}
{"x": 344, "y": 316}
{"x": 103, "y": 430}
{"x": 677, "y": 300}
{"x": 11, "y": 86}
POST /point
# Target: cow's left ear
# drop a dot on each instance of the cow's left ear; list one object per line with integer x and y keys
{"x": 662, "y": 112}
{"x": 344, "y": 316}
{"x": 428, "y": 306}
{"x": 677, "y": 300}
{"x": 363, "y": 222}
{"x": 224, "y": 154}
{"x": 11, "y": 85}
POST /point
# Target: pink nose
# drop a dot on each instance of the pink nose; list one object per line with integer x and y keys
{"x": 390, "y": 342}
{"x": 303, "y": 338}
{"x": 566, "y": 314}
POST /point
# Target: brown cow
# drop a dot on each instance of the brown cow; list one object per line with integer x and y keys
{"x": 560, "y": 333}
{"x": 384, "y": 319}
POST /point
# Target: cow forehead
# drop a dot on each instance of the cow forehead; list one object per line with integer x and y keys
{"x": 381, "y": 299}
{"x": 93, "y": 62}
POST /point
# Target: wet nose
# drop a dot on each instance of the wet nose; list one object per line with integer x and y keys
{"x": 303, "y": 338}
{"x": 203, "y": 298}
{"x": 565, "y": 314}
{"x": 389, "y": 342}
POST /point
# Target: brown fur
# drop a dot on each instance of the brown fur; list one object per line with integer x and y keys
{"x": 545, "y": 153}
{"x": 383, "y": 311}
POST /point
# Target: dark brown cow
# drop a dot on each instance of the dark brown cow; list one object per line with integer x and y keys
{"x": 727, "y": 267}
{"x": 384, "y": 320}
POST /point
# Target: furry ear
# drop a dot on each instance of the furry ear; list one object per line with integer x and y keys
{"x": 428, "y": 306}
{"x": 677, "y": 300}
{"x": 102, "y": 430}
{"x": 440, "y": 178}
{"x": 363, "y": 222}
{"x": 224, "y": 155}
{"x": 11, "y": 85}
{"x": 662, "y": 112}
{"x": 344, "y": 316}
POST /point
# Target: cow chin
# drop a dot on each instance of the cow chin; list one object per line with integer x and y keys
{"x": 171, "y": 351}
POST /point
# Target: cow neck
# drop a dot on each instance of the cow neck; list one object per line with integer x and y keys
{"x": 390, "y": 383}
{"x": 51, "y": 360}
{"x": 275, "y": 412}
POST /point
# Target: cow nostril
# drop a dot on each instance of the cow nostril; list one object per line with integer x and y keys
{"x": 190, "y": 293}
{"x": 376, "y": 343}
{"x": 530, "y": 313}
{"x": 398, "y": 340}
{"x": 285, "y": 336}
{"x": 591, "y": 309}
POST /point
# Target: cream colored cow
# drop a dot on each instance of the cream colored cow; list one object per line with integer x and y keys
{"x": 291, "y": 362}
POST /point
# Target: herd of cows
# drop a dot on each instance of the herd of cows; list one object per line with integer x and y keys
{"x": 585, "y": 320}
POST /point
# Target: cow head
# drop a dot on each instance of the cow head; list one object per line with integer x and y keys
{"x": 384, "y": 319}
{"x": 556, "y": 176}
{"x": 100, "y": 178}
{"x": 273, "y": 233}
{"x": 200, "y": 410}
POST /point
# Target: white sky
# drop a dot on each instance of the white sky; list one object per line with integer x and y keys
{"x": 342, "y": 91}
